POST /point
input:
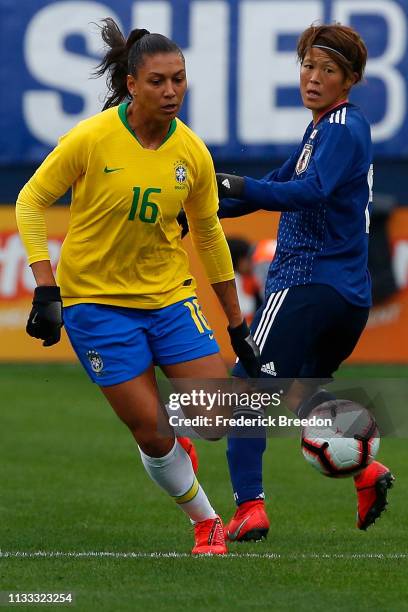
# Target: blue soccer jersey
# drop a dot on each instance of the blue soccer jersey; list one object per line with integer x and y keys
{"x": 324, "y": 191}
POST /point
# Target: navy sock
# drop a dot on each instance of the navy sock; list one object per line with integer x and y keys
{"x": 245, "y": 465}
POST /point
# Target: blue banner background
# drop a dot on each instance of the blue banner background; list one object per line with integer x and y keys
{"x": 21, "y": 144}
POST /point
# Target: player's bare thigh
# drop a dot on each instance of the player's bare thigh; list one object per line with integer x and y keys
{"x": 137, "y": 404}
{"x": 204, "y": 373}
{"x": 211, "y": 366}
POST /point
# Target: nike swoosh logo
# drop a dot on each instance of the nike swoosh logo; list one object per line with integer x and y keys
{"x": 211, "y": 336}
{"x": 34, "y": 319}
{"x": 107, "y": 170}
{"x": 233, "y": 536}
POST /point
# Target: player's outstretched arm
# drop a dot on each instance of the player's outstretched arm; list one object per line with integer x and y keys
{"x": 274, "y": 195}
{"x": 230, "y": 206}
{"x": 327, "y": 170}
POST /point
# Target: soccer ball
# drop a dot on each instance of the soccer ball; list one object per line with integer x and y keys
{"x": 347, "y": 445}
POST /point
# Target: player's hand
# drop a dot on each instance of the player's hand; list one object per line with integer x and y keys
{"x": 246, "y": 349}
{"x": 183, "y": 223}
{"x": 45, "y": 320}
{"x": 230, "y": 186}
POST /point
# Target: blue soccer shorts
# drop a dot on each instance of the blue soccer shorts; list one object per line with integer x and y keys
{"x": 115, "y": 344}
{"x": 305, "y": 332}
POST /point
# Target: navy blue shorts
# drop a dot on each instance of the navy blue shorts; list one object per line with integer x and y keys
{"x": 116, "y": 344}
{"x": 305, "y": 332}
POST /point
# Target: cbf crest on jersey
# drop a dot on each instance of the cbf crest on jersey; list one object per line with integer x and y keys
{"x": 96, "y": 361}
{"x": 304, "y": 159}
{"x": 180, "y": 173}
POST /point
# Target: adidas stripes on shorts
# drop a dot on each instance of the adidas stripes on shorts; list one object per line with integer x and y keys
{"x": 305, "y": 332}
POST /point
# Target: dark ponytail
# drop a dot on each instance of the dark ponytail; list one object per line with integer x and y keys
{"x": 126, "y": 56}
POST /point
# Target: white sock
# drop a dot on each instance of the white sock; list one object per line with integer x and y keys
{"x": 174, "y": 473}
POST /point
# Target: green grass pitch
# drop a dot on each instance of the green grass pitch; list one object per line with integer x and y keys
{"x": 72, "y": 483}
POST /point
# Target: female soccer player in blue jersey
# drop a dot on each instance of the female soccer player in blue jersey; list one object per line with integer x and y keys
{"x": 123, "y": 278}
{"x": 318, "y": 290}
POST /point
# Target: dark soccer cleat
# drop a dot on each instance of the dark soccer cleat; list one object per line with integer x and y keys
{"x": 209, "y": 538}
{"x": 249, "y": 523}
{"x": 372, "y": 485}
{"x": 191, "y": 451}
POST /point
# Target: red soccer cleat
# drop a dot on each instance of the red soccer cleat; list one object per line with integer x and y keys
{"x": 191, "y": 451}
{"x": 372, "y": 485}
{"x": 250, "y": 522}
{"x": 209, "y": 538}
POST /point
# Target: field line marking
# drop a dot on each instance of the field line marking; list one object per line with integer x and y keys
{"x": 20, "y": 554}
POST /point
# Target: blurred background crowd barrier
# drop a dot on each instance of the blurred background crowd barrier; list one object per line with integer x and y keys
{"x": 243, "y": 101}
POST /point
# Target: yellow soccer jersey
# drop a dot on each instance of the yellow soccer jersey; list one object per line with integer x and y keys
{"x": 123, "y": 245}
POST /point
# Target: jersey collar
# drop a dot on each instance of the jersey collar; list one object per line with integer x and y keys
{"x": 122, "y": 112}
{"x": 330, "y": 109}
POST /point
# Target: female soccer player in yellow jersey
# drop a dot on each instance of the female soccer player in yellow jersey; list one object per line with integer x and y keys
{"x": 123, "y": 277}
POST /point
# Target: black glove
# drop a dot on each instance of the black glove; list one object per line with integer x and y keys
{"x": 45, "y": 320}
{"x": 246, "y": 349}
{"x": 230, "y": 186}
{"x": 183, "y": 223}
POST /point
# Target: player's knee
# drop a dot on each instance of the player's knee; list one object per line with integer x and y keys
{"x": 155, "y": 446}
{"x": 151, "y": 433}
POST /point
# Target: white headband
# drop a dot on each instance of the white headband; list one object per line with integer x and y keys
{"x": 331, "y": 49}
